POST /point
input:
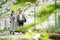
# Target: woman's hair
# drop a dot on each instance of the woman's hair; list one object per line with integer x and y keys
{"x": 12, "y": 13}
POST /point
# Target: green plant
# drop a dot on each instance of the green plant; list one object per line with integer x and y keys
{"x": 23, "y": 1}
{"x": 16, "y": 39}
{"x": 3, "y": 2}
{"x": 44, "y": 36}
{"x": 48, "y": 10}
{"x": 0, "y": 6}
{"x": 27, "y": 27}
{"x": 51, "y": 29}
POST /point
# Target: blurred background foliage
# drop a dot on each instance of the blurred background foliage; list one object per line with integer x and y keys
{"x": 23, "y": 1}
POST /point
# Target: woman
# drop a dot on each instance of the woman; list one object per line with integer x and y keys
{"x": 12, "y": 22}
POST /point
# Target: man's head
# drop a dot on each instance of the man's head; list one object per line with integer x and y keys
{"x": 20, "y": 11}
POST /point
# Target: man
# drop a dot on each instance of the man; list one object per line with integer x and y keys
{"x": 21, "y": 18}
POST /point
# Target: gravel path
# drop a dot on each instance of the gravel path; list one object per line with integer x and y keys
{"x": 7, "y": 35}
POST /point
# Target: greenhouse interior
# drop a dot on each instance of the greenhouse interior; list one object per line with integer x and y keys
{"x": 41, "y": 20}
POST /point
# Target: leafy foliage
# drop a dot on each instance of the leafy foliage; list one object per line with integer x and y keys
{"x": 27, "y": 27}
{"x": 45, "y": 12}
{"x": 3, "y": 2}
{"x": 23, "y": 1}
{"x": 48, "y": 10}
{"x": 44, "y": 36}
